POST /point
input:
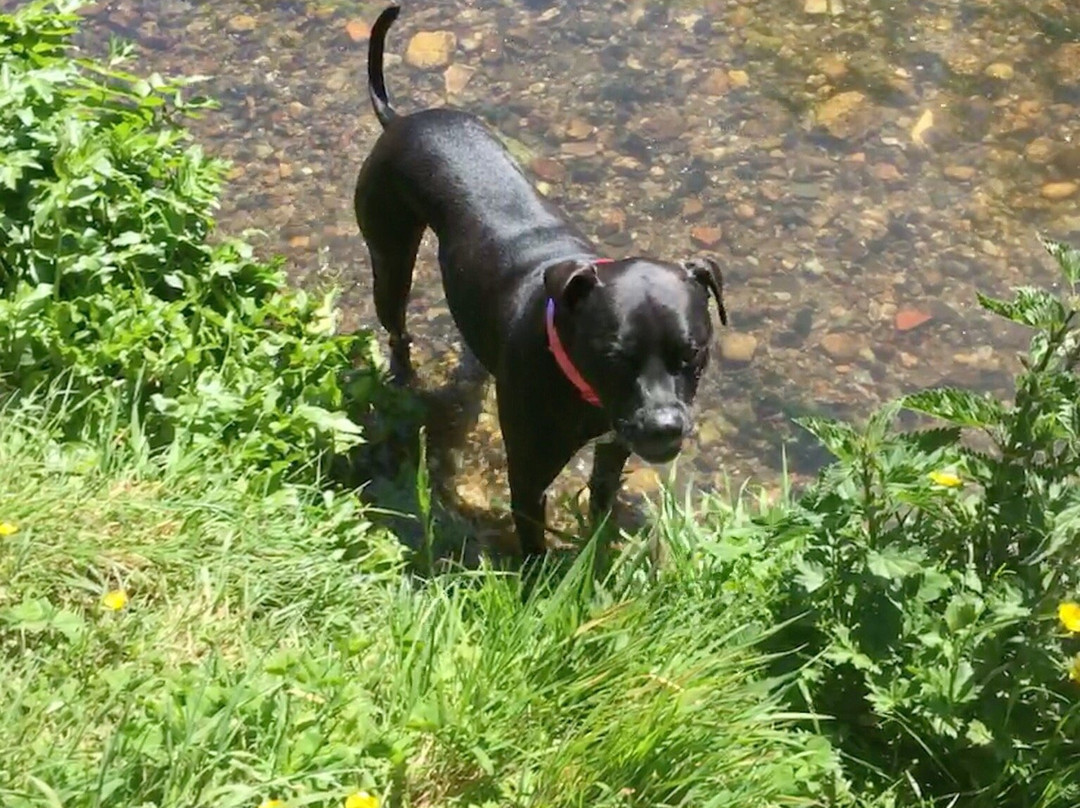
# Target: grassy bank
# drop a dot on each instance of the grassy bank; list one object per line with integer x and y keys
{"x": 269, "y": 647}
{"x": 194, "y": 612}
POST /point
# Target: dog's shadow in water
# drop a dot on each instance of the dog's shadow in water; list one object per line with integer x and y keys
{"x": 411, "y": 490}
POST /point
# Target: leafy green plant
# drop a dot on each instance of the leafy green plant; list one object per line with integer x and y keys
{"x": 109, "y": 278}
{"x": 929, "y": 571}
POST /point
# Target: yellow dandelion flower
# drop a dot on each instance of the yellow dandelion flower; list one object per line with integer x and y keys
{"x": 8, "y": 529}
{"x": 946, "y": 479}
{"x": 1069, "y": 614}
{"x": 361, "y": 799}
{"x": 271, "y": 804}
{"x": 1074, "y": 669}
{"x": 114, "y": 600}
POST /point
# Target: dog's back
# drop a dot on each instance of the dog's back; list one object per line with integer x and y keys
{"x": 443, "y": 168}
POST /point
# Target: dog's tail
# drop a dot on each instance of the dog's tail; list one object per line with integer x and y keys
{"x": 380, "y": 100}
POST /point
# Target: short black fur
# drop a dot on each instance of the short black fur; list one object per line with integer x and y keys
{"x": 637, "y": 329}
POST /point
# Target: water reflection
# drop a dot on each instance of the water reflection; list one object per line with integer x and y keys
{"x": 861, "y": 174}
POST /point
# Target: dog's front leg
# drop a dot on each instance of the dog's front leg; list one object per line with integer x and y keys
{"x": 532, "y": 465}
{"x": 528, "y": 501}
{"x": 536, "y": 451}
{"x": 609, "y": 459}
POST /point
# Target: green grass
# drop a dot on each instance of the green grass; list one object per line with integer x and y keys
{"x": 272, "y": 647}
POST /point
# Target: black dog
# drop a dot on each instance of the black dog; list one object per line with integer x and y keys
{"x": 578, "y": 344}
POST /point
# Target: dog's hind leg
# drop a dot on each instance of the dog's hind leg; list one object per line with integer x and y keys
{"x": 392, "y": 234}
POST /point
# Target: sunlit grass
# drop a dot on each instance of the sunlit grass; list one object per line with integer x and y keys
{"x": 172, "y": 635}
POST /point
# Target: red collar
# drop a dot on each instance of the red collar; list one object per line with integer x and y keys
{"x": 562, "y": 358}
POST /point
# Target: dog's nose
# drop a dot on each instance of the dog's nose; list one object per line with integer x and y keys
{"x": 660, "y": 436}
{"x": 665, "y": 425}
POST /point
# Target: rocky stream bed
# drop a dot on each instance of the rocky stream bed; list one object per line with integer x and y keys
{"x": 861, "y": 168}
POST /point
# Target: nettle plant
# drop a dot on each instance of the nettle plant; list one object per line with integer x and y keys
{"x": 110, "y": 286}
{"x": 929, "y": 575}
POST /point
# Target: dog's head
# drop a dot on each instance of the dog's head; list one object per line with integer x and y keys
{"x": 639, "y": 332}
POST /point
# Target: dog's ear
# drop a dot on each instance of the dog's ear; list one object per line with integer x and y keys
{"x": 569, "y": 281}
{"x": 706, "y": 271}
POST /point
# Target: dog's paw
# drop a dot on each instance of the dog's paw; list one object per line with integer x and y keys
{"x": 401, "y": 373}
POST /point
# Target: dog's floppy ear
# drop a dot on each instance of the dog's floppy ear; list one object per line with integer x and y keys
{"x": 706, "y": 271}
{"x": 569, "y": 281}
